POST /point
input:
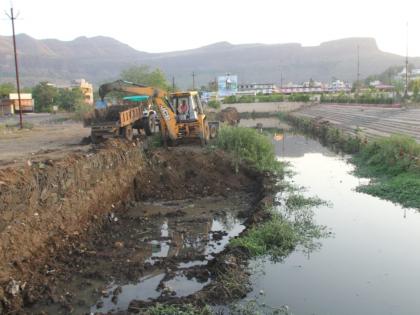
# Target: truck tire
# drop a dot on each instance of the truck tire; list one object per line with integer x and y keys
{"x": 205, "y": 134}
{"x": 94, "y": 138}
{"x": 127, "y": 132}
{"x": 149, "y": 125}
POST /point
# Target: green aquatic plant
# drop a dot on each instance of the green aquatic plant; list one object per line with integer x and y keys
{"x": 290, "y": 225}
{"x": 250, "y": 146}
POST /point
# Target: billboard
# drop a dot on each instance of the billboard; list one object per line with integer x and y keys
{"x": 227, "y": 85}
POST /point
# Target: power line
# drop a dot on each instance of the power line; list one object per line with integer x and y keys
{"x": 13, "y": 18}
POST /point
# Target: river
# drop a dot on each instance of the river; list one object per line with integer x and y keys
{"x": 370, "y": 264}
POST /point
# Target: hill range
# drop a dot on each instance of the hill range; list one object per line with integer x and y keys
{"x": 99, "y": 59}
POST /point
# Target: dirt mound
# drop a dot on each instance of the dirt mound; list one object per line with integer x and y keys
{"x": 230, "y": 115}
{"x": 180, "y": 173}
{"x": 111, "y": 113}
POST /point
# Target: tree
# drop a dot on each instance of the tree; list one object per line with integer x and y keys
{"x": 44, "y": 95}
{"x": 144, "y": 75}
{"x": 6, "y": 89}
{"x": 414, "y": 86}
{"x": 70, "y": 99}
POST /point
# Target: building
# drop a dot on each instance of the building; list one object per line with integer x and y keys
{"x": 86, "y": 88}
{"x": 301, "y": 88}
{"x": 10, "y": 104}
{"x": 338, "y": 86}
{"x": 257, "y": 88}
{"x": 379, "y": 86}
{"x": 413, "y": 74}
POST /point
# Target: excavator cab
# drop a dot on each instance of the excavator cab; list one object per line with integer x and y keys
{"x": 187, "y": 106}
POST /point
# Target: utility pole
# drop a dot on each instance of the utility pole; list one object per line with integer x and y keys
{"x": 193, "y": 77}
{"x": 281, "y": 80}
{"x": 406, "y": 66}
{"x": 358, "y": 70}
{"x": 13, "y": 18}
{"x": 173, "y": 83}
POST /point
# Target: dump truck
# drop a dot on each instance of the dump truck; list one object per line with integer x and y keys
{"x": 120, "y": 121}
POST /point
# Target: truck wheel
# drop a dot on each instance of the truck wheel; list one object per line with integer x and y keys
{"x": 149, "y": 125}
{"x": 128, "y": 132}
{"x": 94, "y": 138}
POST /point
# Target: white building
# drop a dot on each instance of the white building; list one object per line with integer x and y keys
{"x": 257, "y": 88}
{"x": 338, "y": 86}
{"x": 413, "y": 74}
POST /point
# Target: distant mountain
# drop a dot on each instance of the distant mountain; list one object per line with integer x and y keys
{"x": 99, "y": 59}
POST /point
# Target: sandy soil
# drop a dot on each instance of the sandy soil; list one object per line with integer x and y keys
{"x": 50, "y": 138}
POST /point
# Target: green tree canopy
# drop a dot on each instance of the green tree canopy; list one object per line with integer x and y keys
{"x": 70, "y": 99}
{"x": 6, "y": 89}
{"x": 44, "y": 95}
{"x": 144, "y": 75}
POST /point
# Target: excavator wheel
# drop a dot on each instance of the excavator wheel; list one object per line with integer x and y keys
{"x": 205, "y": 134}
{"x": 164, "y": 135}
{"x": 213, "y": 131}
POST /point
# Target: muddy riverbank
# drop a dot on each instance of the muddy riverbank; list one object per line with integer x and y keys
{"x": 84, "y": 233}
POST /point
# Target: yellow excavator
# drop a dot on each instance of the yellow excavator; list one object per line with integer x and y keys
{"x": 180, "y": 114}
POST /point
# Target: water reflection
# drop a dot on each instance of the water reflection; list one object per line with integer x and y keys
{"x": 177, "y": 242}
{"x": 370, "y": 266}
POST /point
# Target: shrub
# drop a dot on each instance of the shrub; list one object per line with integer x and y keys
{"x": 299, "y": 98}
{"x": 214, "y": 104}
{"x": 250, "y": 146}
{"x": 392, "y": 155}
{"x": 229, "y": 99}
{"x": 81, "y": 110}
{"x": 246, "y": 99}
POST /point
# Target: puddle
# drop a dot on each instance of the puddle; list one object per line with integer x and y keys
{"x": 221, "y": 233}
{"x": 206, "y": 240}
{"x": 193, "y": 263}
{"x": 183, "y": 286}
{"x": 153, "y": 251}
{"x": 144, "y": 290}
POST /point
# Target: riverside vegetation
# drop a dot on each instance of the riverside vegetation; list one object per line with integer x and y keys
{"x": 393, "y": 163}
{"x": 284, "y": 227}
{"x": 290, "y": 224}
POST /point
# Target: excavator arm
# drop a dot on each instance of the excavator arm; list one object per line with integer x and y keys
{"x": 158, "y": 97}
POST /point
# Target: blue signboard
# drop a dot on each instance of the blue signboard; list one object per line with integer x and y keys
{"x": 227, "y": 85}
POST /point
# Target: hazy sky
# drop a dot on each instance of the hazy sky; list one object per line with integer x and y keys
{"x": 159, "y": 25}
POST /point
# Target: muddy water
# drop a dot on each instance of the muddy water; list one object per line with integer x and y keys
{"x": 152, "y": 251}
{"x": 371, "y": 264}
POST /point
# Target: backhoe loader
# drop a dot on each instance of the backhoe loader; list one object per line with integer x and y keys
{"x": 180, "y": 115}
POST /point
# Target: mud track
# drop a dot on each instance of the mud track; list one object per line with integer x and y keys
{"x": 75, "y": 232}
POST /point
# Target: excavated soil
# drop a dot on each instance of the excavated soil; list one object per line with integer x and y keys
{"x": 88, "y": 232}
